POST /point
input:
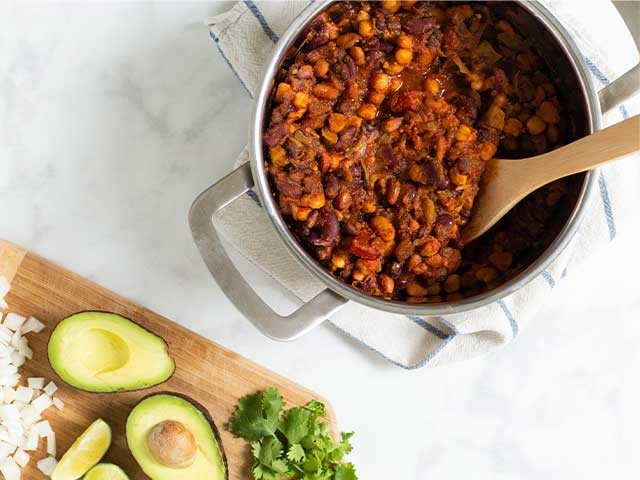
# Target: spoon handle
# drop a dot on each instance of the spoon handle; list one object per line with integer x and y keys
{"x": 605, "y": 146}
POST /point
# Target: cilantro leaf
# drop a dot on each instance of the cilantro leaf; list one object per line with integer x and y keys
{"x": 257, "y": 415}
{"x": 345, "y": 471}
{"x": 294, "y": 444}
{"x": 296, "y": 453}
{"x": 295, "y": 424}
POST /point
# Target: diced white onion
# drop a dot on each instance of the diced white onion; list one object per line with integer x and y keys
{"x": 47, "y": 465}
{"x": 50, "y": 389}
{"x": 44, "y": 428}
{"x": 32, "y": 325}
{"x": 32, "y": 440}
{"x": 36, "y": 382}
{"x": 42, "y": 403}
{"x": 24, "y": 394}
{"x": 51, "y": 444}
{"x": 21, "y": 424}
{"x": 13, "y": 321}
{"x": 21, "y": 458}
{"x": 10, "y": 469}
{"x": 58, "y": 403}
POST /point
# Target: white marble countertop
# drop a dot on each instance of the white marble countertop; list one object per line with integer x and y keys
{"x": 114, "y": 116}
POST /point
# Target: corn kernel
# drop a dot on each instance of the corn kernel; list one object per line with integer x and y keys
{"x": 339, "y": 260}
{"x": 464, "y": 133}
{"x": 278, "y": 156}
{"x": 357, "y": 54}
{"x": 337, "y": 122}
{"x": 301, "y": 100}
{"x": 376, "y": 98}
{"x": 362, "y": 15}
{"x": 365, "y": 28}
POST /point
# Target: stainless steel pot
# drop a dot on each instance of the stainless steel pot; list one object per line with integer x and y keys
{"x": 588, "y": 107}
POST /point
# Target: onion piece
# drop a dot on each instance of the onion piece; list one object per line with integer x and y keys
{"x": 10, "y": 469}
{"x": 21, "y": 458}
{"x": 47, "y": 465}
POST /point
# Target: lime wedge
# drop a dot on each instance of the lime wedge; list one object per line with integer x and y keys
{"x": 85, "y": 452}
{"x": 106, "y": 471}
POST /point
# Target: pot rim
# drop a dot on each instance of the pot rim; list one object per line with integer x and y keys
{"x": 594, "y": 123}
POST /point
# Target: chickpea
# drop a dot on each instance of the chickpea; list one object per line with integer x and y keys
{"x": 513, "y": 127}
{"x": 430, "y": 247}
{"x": 383, "y": 227}
{"x": 392, "y": 68}
{"x": 548, "y": 112}
{"x": 313, "y": 200}
{"x": 300, "y": 213}
{"x": 501, "y": 260}
{"x": 376, "y": 98}
{"x": 414, "y": 261}
{"x": 365, "y": 28}
{"x": 390, "y": 6}
{"x": 510, "y": 143}
{"x": 553, "y": 133}
{"x": 414, "y": 289}
{"x": 487, "y": 274}
{"x": 337, "y": 122}
{"x": 395, "y": 84}
{"x": 488, "y": 150}
{"x": 404, "y": 41}
{"x": 283, "y": 91}
{"x": 358, "y": 55}
{"x": 368, "y": 111}
{"x": 392, "y": 124}
{"x": 380, "y": 82}
{"x": 536, "y": 125}
{"x": 393, "y": 191}
{"x": 432, "y": 86}
{"x": 500, "y": 100}
{"x": 321, "y": 68}
{"x": 369, "y": 207}
{"x": 403, "y": 56}
{"x": 386, "y": 283}
{"x": 358, "y": 276}
{"x": 362, "y": 15}
{"x": 452, "y": 283}
{"x": 348, "y": 40}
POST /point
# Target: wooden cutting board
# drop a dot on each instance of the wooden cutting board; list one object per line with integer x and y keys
{"x": 206, "y": 372}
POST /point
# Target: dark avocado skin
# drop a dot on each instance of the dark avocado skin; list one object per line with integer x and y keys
{"x": 118, "y": 389}
{"x": 206, "y": 415}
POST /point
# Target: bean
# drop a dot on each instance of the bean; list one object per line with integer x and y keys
{"x": 348, "y": 40}
{"x": 403, "y": 56}
{"x": 535, "y": 125}
{"x": 368, "y": 111}
{"x": 383, "y": 227}
{"x": 325, "y": 91}
{"x": 342, "y": 201}
{"x": 386, "y": 283}
{"x": 380, "y": 82}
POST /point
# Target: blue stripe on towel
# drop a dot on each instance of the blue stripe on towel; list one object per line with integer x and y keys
{"x": 422, "y": 363}
{"x": 263, "y": 21}
{"x": 608, "y": 211}
{"x": 549, "y": 278}
{"x": 428, "y": 327}
{"x": 509, "y": 315}
{"x": 602, "y": 181}
{"x": 224, "y": 57}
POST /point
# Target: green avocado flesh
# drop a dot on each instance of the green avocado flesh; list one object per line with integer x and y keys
{"x": 207, "y": 462}
{"x": 105, "y": 352}
{"x": 105, "y": 471}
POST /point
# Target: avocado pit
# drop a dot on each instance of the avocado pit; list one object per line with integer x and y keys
{"x": 172, "y": 444}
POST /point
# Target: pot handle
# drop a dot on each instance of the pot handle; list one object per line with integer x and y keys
{"x": 245, "y": 299}
{"x": 620, "y": 90}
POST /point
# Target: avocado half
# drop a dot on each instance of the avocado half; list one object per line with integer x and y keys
{"x": 171, "y": 436}
{"x": 105, "y": 352}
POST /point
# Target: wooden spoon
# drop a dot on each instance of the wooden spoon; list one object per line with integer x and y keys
{"x": 506, "y": 182}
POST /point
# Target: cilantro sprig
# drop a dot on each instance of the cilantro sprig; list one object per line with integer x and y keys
{"x": 292, "y": 444}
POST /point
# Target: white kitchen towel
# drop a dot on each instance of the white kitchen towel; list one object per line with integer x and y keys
{"x": 245, "y": 36}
